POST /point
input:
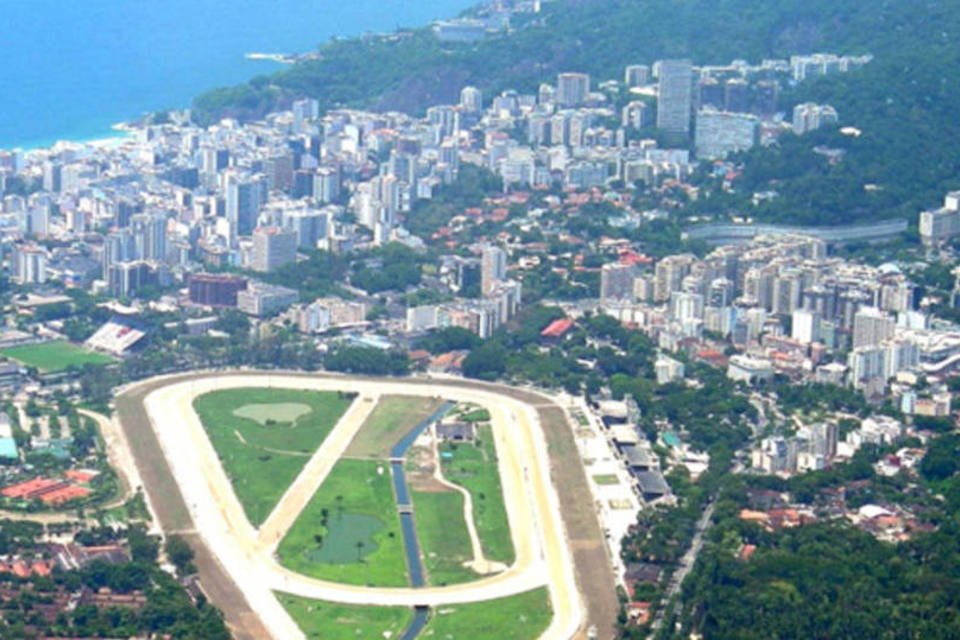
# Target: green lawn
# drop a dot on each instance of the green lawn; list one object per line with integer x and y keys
{"x": 50, "y": 357}
{"x": 330, "y": 621}
{"x": 390, "y": 420}
{"x": 606, "y": 479}
{"x": 262, "y": 457}
{"x": 357, "y": 504}
{"x": 521, "y": 617}
{"x": 444, "y": 541}
{"x": 475, "y": 469}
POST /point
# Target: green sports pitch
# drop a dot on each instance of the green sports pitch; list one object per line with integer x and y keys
{"x": 52, "y": 357}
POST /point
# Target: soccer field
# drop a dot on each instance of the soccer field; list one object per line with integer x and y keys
{"x": 50, "y": 357}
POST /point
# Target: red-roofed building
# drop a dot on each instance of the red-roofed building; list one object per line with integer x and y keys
{"x": 64, "y": 494}
{"x": 82, "y": 476}
{"x": 634, "y": 258}
{"x": 32, "y": 488}
{"x": 557, "y": 328}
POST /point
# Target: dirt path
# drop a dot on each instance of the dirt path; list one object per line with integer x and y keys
{"x": 480, "y": 564}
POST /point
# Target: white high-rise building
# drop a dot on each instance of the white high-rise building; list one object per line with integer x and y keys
{"x": 493, "y": 268}
{"x": 720, "y": 133}
{"x": 871, "y": 326}
{"x": 616, "y": 281}
{"x": 805, "y": 326}
{"x": 29, "y": 264}
{"x": 244, "y": 195}
{"x": 636, "y": 75}
{"x": 471, "y": 100}
{"x": 572, "y": 89}
{"x": 675, "y": 96}
{"x": 809, "y": 117}
{"x": 273, "y": 247}
{"x": 940, "y": 224}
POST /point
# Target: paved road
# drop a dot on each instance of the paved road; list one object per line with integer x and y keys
{"x": 543, "y": 553}
{"x": 686, "y": 564}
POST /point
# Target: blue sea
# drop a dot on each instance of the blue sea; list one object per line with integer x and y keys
{"x": 72, "y": 68}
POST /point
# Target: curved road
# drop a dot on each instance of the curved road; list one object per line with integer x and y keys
{"x": 544, "y": 555}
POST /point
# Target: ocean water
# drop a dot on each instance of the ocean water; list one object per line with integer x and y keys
{"x": 72, "y": 68}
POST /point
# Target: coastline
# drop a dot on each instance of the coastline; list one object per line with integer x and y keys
{"x": 121, "y": 133}
{"x": 88, "y": 131}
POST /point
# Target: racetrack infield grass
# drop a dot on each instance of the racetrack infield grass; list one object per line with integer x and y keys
{"x": 388, "y": 423}
{"x": 444, "y": 541}
{"x": 523, "y": 616}
{"x": 262, "y": 460}
{"x": 473, "y": 466}
{"x": 51, "y": 357}
{"x": 356, "y": 491}
{"x": 331, "y": 621}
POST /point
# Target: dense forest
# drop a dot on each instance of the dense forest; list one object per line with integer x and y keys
{"x": 830, "y": 580}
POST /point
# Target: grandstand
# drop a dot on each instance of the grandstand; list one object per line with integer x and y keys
{"x": 117, "y": 336}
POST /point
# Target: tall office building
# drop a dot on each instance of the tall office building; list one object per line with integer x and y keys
{"x": 636, "y": 75}
{"x": 616, "y": 281}
{"x": 29, "y": 264}
{"x": 674, "y": 97}
{"x": 805, "y": 327}
{"x": 118, "y": 246}
{"x": 572, "y": 89}
{"x": 871, "y": 326}
{"x": 150, "y": 235}
{"x": 273, "y": 247}
{"x": 244, "y": 196}
{"x": 710, "y": 93}
{"x": 669, "y": 274}
{"x": 471, "y": 100}
{"x": 810, "y": 117}
{"x": 310, "y": 226}
{"x": 52, "y": 175}
{"x": 736, "y": 95}
{"x": 493, "y": 268}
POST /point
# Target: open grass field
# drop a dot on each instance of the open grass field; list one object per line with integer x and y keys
{"x": 444, "y": 541}
{"x": 473, "y": 466}
{"x": 521, "y": 617}
{"x": 330, "y": 621}
{"x": 605, "y": 479}
{"x": 262, "y": 455}
{"x": 51, "y": 357}
{"x": 391, "y": 419}
{"x": 355, "y": 517}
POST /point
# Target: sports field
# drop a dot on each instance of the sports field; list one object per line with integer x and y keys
{"x": 350, "y": 530}
{"x": 520, "y": 617}
{"x": 51, "y": 357}
{"x": 264, "y": 437}
{"x": 473, "y": 466}
{"x": 391, "y": 419}
{"x": 330, "y": 621}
